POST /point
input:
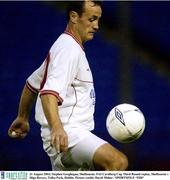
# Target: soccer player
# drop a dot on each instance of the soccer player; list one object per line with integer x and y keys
{"x": 63, "y": 89}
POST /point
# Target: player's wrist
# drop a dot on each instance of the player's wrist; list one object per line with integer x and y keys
{"x": 56, "y": 127}
{"x": 23, "y": 118}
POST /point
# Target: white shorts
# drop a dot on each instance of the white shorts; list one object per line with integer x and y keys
{"x": 78, "y": 157}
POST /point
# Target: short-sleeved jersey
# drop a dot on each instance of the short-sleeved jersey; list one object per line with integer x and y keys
{"x": 66, "y": 74}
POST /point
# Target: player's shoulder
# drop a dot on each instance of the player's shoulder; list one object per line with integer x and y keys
{"x": 68, "y": 42}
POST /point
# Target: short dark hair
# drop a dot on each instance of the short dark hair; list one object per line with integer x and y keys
{"x": 78, "y": 6}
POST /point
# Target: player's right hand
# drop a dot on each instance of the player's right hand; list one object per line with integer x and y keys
{"x": 19, "y": 128}
{"x": 59, "y": 139}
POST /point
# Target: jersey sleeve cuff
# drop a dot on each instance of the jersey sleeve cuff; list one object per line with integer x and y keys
{"x": 54, "y": 93}
{"x": 31, "y": 88}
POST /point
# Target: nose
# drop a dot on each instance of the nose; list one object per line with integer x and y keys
{"x": 96, "y": 26}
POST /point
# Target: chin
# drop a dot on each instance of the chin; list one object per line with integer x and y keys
{"x": 90, "y": 38}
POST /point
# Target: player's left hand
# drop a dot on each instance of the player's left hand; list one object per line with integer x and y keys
{"x": 19, "y": 128}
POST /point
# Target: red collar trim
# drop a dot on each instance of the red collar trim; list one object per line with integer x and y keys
{"x": 69, "y": 33}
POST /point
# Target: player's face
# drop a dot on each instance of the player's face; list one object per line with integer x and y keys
{"x": 88, "y": 22}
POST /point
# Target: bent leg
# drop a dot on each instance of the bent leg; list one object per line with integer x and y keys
{"x": 109, "y": 158}
{"x": 81, "y": 155}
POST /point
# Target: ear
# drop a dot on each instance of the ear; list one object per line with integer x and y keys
{"x": 73, "y": 17}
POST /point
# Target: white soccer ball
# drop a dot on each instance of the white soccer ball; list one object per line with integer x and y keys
{"x": 125, "y": 123}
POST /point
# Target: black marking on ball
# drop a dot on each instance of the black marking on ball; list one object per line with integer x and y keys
{"x": 119, "y": 116}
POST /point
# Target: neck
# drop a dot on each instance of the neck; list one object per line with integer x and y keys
{"x": 71, "y": 29}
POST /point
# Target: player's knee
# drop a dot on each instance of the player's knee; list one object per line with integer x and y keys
{"x": 109, "y": 158}
{"x": 123, "y": 162}
{"x": 118, "y": 162}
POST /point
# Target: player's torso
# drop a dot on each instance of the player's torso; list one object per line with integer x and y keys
{"x": 78, "y": 96}
{"x": 78, "y": 105}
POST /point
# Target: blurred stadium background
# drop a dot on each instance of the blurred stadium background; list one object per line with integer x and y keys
{"x": 130, "y": 61}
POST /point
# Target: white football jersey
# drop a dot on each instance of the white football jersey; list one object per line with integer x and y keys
{"x": 66, "y": 74}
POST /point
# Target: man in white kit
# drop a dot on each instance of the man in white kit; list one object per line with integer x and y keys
{"x": 63, "y": 89}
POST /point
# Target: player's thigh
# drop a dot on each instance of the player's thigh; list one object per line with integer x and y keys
{"x": 107, "y": 156}
{"x": 83, "y": 152}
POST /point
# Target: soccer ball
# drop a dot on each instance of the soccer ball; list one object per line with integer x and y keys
{"x": 125, "y": 123}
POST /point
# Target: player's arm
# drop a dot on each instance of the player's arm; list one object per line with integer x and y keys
{"x": 20, "y": 126}
{"x": 59, "y": 138}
